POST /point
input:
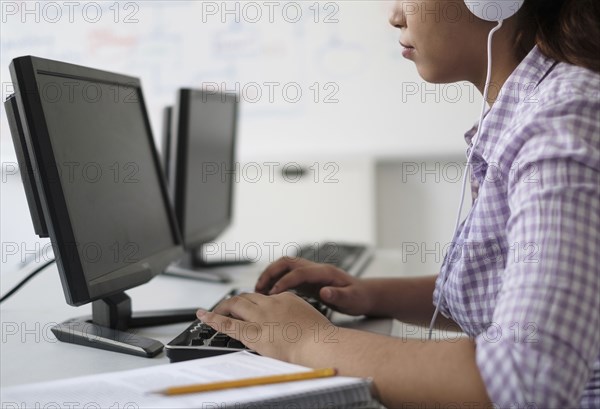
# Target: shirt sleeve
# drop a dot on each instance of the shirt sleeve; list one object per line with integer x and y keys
{"x": 545, "y": 335}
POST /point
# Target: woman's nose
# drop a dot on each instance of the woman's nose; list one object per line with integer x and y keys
{"x": 397, "y": 17}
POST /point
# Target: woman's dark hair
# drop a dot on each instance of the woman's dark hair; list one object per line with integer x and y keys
{"x": 564, "y": 30}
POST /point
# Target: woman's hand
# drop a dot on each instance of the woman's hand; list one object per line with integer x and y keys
{"x": 279, "y": 326}
{"x": 332, "y": 286}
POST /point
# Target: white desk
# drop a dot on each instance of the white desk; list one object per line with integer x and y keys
{"x": 30, "y": 352}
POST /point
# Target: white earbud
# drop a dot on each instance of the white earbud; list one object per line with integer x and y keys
{"x": 494, "y": 10}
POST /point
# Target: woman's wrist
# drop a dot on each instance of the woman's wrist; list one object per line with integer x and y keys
{"x": 382, "y": 296}
{"x": 317, "y": 349}
{"x": 408, "y": 299}
{"x": 373, "y": 297}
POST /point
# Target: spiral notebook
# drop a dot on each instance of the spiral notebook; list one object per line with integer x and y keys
{"x": 132, "y": 389}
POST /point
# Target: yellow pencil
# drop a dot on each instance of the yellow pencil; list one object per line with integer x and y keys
{"x": 241, "y": 383}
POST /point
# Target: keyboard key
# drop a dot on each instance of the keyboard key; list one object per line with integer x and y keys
{"x": 197, "y": 342}
{"x": 205, "y": 334}
{"x": 234, "y": 343}
{"x": 218, "y": 342}
{"x": 208, "y": 330}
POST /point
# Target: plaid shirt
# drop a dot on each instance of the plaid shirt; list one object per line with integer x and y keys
{"x": 522, "y": 277}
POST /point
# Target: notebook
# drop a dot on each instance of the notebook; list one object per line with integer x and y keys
{"x": 132, "y": 389}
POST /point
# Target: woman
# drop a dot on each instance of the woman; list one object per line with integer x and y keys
{"x": 522, "y": 280}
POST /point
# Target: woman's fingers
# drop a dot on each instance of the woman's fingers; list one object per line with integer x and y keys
{"x": 236, "y": 316}
{"x": 227, "y": 325}
{"x": 275, "y": 271}
{"x": 320, "y": 274}
{"x": 344, "y": 299}
{"x": 275, "y": 326}
{"x": 241, "y": 306}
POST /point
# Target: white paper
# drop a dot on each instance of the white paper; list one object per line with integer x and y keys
{"x": 131, "y": 389}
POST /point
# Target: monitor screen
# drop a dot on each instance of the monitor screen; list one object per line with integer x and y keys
{"x": 107, "y": 173}
{"x": 105, "y": 200}
{"x": 209, "y": 135}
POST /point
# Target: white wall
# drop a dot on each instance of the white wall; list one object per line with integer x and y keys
{"x": 333, "y": 200}
{"x": 416, "y": 204}
{"x": 370, "y": 100}
{"x": 377, "y": 105}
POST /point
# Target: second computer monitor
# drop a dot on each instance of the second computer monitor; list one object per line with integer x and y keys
{"x": 201, "y": 165}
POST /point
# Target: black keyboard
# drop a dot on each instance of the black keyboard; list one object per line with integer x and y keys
{"x": 201, "y": 341}
{"x": 352, "y": 258}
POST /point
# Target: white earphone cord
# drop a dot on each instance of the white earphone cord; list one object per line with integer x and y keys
{"x": 468, "y": 166}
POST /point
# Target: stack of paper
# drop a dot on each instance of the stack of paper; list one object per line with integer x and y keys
{"x": 133, "y": 389}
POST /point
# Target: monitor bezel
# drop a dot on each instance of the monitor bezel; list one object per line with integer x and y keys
{"x": 25, "y": 72}
{"x": 179, "y": 159}
{"x": 167, "y": 118}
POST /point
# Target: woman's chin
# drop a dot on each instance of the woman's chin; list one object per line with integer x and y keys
{"x": 429, "y": 73}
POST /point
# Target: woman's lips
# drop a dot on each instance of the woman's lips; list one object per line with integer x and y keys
{"x": 407, "y": 50}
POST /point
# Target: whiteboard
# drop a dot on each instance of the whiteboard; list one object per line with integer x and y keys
{"x": 317, "y": 79}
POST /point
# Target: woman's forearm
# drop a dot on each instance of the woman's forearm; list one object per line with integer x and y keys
{"x": 408, "y": 299}
{"x": 410, "y": 372}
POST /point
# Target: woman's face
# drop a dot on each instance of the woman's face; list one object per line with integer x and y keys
{"x": 443, "y": 38}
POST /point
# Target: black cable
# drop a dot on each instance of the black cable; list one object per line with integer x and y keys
{"x": 29, "y": 277}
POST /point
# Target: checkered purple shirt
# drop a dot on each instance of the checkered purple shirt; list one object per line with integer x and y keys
{"x": 523, "y": 276}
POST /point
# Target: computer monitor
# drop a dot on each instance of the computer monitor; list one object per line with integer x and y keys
{"x": 199, "y": 147}
{"x": 94, "y": 186}
{"x": 166, "y": 139}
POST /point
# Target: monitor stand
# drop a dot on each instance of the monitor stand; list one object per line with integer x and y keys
{"x": 111, "y": 317}
{"x": 193, "y": 265}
